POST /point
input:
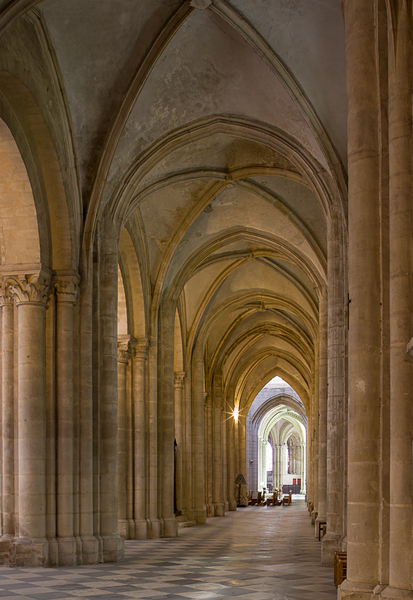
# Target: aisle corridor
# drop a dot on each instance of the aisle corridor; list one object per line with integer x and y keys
{"x": 256, "y": 553}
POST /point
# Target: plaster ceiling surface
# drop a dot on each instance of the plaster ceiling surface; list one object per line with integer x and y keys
{"x": 99, "y": 44}
{"x": 208, "y": 69}
{"x": 308, "y": 36}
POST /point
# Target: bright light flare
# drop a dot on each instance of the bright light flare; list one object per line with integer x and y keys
{"x": 235, "y": 414}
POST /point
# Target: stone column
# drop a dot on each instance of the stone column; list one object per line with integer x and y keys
{"x": 123, "y": 360}
{"x": 322, "y": 410}
{"x": 208, "y": 457}
{"x": 231, "y": 463}
{"x": 336, "y": 388}
{"x": 365, "y": 310}
{"x": 320, "y": 482}
{"x": 7, "y": 392}
{"x": 90, "y": 544}
{"x": 166, "y": 415}
{"x": 224, "y": 457}
{"x": 198, "y": 436}
{"x": 401, "y": 309}
{"x": 66, "y": 294}
{"x": 178, "y": 427}
{"x": 217, "y": 456}
{"x": 187, "y": 465}
{"x": 31, "y": 295}
{"x": 140, "y": 352}
{"x": 151, "y": 420}
{"x": 278, "y": 467}
{"x": 303, "y": 486}
{"x": 113, "y": 544}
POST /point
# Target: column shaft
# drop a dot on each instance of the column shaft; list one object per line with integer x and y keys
{"x": 178, "y": 427}
{"x": 198, "y": 441}
{"x": 7, "y": 382}
{"x": 108, "y": 396}
{"x": 336, "y": 388}
{"x": 66, "y": 298}
{"x": 401, "y": 312}
{"x": 364, "y": 290}
{"x": 139, "y": 440}
{"x": 123, "y": 359}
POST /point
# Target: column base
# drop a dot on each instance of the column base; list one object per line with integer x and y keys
{"x": 314, "y": 516}
{"x": 90, "y": 550}
{"x": 154, "y": 529}
{"x": 390, "y": 593}
{"x": 29, "y": 552}
{"x": 200, "y": 516}
{"x": 329, "y": 544}
{"x": 113, "y": 548}
{"x": 219, "y": 509}
{"x": 350, "y": 590}
{"x": 170, "y": 527}
{"x": 66, "y": 552}
{"x": 5, "y": 542}
{"x": 210, "y": 510}
{"x": 226, "y": 506}
{"x": 232, "y": 505}
{"x": 140, "y": 529}
{"x": 123, "y": 528}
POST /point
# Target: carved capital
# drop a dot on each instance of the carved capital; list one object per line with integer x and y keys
{"x": 124, "y": 352}
{"x": 67, "y": 288}
{"x": 179, "y": 379}
{"x": 29, "y": 289}
{"x": 140, "y": 348}
{"x": 5, "y": 294}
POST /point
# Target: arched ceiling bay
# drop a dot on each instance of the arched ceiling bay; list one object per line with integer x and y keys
{"x": 214, "y": 132}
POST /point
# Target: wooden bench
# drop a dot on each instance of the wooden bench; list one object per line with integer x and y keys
{"x": 340, "y": 567}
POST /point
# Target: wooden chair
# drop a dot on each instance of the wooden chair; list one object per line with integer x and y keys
{"x": 257, "y": 501}
{"x": 271, "y": 501}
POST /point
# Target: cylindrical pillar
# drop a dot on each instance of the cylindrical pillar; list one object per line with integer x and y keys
{"x": 90, "y": 544}
{"x": 166, "y": 415}
{"x": 401, "y": 310}
{"x": 31, "y": 294}
{"x": 217, "y": 451}
{"x": 231, "y": 462}
{"x": 198, "y": 442}
{"x": 322, "y": 408}
{"x": 66, "y": 294}
{"x": 365, "y": 297}
{"x": 151, "y": 419}
{"x": 113, "y": 545}
{"x": 178, "y": 427}
{"x": 139, "y": 438}
{"x": 336, "y": 388}
{"x": 7, "y": 391}
{"x": 123, "y": 360}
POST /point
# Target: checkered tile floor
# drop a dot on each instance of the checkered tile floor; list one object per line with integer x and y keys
{"x": 256, "y": 553}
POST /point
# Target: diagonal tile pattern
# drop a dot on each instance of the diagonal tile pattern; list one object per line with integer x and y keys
{"x": 256, "y": 553}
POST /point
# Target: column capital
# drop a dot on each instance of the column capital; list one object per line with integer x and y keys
{"x": 28, "y": 289}
{"x": 140, "y": 347}
{"x": 5, "y": 294}
{"x": 67, "y": 287}
{"x": 124, "y": 351}
{"x": 179, "y": 378}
